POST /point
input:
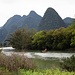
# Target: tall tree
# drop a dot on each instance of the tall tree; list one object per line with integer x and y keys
{"x": 20, "y": 39}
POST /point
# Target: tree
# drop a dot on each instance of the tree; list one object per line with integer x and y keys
{"x": 73, "y": 35}
{"x": 20, "y": 39}
{"x": 49, "y": 39}
{"x": 38, "y": 40}
{"x": 58, "y": 39}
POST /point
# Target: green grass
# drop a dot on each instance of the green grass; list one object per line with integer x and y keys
{"x": 36, "y": 72}
{"x": 4, "y": 71}
{"x": 46, "y": 72}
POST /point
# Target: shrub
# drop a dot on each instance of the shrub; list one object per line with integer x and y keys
{"x": 16, "y": 62}
{"x": 68, "y": 63}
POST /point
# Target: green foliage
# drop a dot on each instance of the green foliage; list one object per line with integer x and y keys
{"x": 21, "y": 39}
{"x": 53, "y": 39}
{"x": 58, "y": 39}
{"x": 58, "y": 36}
{"x": 68, "y": 63}
{"x": 38, "y": 40}
{"x": 73, "y": 39}
{"x": 46, "y": 72}
{"x": 37, "y": 72}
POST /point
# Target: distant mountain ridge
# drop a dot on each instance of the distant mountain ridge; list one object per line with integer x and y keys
{"x": 68, "y": 20}
{"x": 32, "y": 19}
{"x": 51, "y": 20}
{"x": 17, "y": 22}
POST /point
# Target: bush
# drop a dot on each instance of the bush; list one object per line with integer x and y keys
{"x": 15, "y": 62}
{"x": 68, "y": 63}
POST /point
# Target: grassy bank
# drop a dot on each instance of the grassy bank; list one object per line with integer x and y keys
{"x": 36, "y": 72}
{"x": 21, "y": 65}
{"x": 46, "y": 72}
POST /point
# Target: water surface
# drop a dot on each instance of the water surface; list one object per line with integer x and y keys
{"x": 47, "y": 55}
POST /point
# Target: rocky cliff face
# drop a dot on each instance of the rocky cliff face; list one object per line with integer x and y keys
{"x": 51, "y": 20}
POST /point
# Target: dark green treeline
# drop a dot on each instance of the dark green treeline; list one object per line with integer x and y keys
{"x": 58, "y": 39}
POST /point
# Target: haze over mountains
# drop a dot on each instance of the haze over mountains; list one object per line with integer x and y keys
{"x": 50, "y": 20}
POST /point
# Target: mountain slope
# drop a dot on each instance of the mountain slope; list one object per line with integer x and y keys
{"x": 17, "y": 22}
{"x": 51, "y": 20}
{"x": 31, "y": 21}
{"x": 68, "y": 21}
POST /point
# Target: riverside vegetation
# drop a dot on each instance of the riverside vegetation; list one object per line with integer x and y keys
{"x": 58, "y": 39}
{"x": 21, "y": 65}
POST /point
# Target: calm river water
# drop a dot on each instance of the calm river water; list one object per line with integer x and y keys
{"x": 10, "y": 50}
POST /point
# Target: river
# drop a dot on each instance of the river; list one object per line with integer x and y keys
{"x": 9, "y": 50}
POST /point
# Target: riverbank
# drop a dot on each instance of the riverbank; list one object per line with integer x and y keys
{"x": 21, "y": 65}
{"x": 35, "y": 72}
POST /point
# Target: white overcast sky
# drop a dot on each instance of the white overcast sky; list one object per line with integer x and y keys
{"x": 9, "y": 8}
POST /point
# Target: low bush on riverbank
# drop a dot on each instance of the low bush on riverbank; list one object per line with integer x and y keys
{"x": 16, "y": 62}
{"x": 68, "y": 63}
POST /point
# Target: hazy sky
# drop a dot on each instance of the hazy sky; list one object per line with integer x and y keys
{"x": 9, "y": 8}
